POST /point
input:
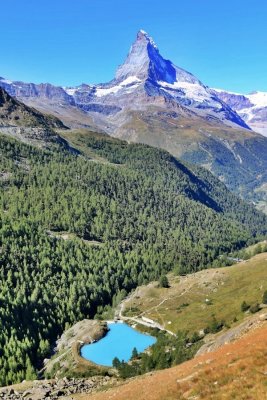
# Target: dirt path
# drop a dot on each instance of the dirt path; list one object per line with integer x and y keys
{"x": 139, "y": 319}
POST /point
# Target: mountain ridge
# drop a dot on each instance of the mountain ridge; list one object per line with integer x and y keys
{"x": 145, "y": 73}
{"x": 251, "y": 107}
{"x": 26, "y": 123}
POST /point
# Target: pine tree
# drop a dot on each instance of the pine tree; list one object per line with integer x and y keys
{"x": 163, "y": 282}
{"x": 116, "y": 363}
{"x": 30, "y": 371}
{"x": 134, "y": 353}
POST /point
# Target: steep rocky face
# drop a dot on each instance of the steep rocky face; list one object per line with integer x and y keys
{"x": 15, "y": 113}
{"x": 31, "y": 90}
{"x": 145, "y": 62}
{"x": 252, "y": 108}
{"x": 235, "y": 101}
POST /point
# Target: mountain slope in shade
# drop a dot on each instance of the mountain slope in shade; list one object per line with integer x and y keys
{"x": 252, "y": 107}
{"x": 26, "y": 123}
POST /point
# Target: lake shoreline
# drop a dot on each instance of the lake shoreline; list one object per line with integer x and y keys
{"x": 119, "y": 343}
{"x": 67, "y": 352}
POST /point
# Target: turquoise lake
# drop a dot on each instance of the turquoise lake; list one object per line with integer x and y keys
{"x": 119, "y": 342}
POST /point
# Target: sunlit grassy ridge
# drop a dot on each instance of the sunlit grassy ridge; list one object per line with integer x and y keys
{"x": 191, "y": 302}
{"x": 236, "y": 371}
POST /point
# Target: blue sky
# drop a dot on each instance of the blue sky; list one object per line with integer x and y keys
{"x": 66, "y": 42}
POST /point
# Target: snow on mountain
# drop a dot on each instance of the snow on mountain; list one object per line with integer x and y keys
{"x": 130, "y": 83}
{"x": 198, "y": 93}
{"x": 7, "y": 81}
{"x": 70, "y": 90}
{"x": 145, "y": 78}
{"x": 258, "y": 99}
{"x": 252, "y": 107}
{"x": 152, "y": 101}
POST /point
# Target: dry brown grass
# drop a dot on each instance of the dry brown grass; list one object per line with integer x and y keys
{"x": 235, "y": 371}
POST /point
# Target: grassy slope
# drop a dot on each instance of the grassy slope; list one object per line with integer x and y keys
{"x": 78, "y": 139}
{"x": 226, "y": 288}
{"x": 236, "y": 371}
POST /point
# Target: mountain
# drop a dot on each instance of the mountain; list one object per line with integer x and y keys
{"x": 145, "y": 78}
{"x": 152, "y": 101}
{"x": 78, "y": 231}
{"x": 26, "y": 123}
{"x": 252, "y": 107}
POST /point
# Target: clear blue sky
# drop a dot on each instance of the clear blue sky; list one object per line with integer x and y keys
{"x": 66, "y": 42}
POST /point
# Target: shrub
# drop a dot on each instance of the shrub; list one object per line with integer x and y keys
{"x": 244, "y": 306}
{"x": 264, "y": 297}
{"x": 254, "y": 308}
{"x": 215, "y": 326}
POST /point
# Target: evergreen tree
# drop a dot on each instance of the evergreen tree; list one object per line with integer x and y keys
{"x": 134, "y": 353}
{"x": 30, "y": 373}
{"x": 163, "y": 282}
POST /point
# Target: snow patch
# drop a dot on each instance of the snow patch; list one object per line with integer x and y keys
{"x": 149, "y": 38}
{"x": 70, "y": 91}
{"x": 239, "y": 158}
{"x": 7, "y": 81}
{"x": 258, "y": 99}
{"x": 227, "y": 91}
{"x": 192, "y": 91}
{"x": 131, "y": 80}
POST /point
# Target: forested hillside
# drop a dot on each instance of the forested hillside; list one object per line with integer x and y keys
{"x": 131, "y": 216}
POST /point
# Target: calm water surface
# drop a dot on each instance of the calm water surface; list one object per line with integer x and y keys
{"x": 119, "y": 342}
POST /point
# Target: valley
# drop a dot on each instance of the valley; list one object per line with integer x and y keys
{"x": 57, "y": 282}
{"x": 133, "y": 227}
{"x": 237, "y": 345}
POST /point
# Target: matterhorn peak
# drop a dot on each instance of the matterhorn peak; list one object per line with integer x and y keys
{"x": 143, "y": 35}
{"x": 145, "y": 62}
